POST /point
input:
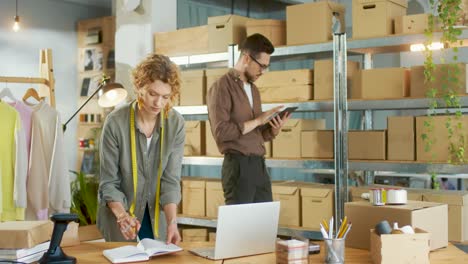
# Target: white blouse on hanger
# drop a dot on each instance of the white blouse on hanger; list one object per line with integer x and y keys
{"x": 49, "y": 183}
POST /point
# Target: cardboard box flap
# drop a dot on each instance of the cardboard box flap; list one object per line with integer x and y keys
{"x": 192, "y": 74}
{"x": 193, "y": 184}
{"x": 285, "y": 190}
{"x": 264, "y": 22}
{"x": 447, "y": 197}
{"x": 192, "y": 125}
{"x": 403, "y": 3}
{"x": 316, "y": 192}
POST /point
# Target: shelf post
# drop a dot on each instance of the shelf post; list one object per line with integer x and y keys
{"x": 368, "y": 121}
{"x": 340, "y": 110}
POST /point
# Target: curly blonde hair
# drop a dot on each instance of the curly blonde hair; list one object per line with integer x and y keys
{"x": 157, "y": 67}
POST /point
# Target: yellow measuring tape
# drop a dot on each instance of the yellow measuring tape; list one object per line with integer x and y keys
{"x": 135, "y": 168}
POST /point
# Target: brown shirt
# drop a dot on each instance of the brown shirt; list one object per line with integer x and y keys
{"x": 228, "y": 109}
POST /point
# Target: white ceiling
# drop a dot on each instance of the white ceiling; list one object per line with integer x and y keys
{"x": 98, "y": 3}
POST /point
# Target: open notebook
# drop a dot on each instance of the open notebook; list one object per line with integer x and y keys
{"x": 146, "y": 249}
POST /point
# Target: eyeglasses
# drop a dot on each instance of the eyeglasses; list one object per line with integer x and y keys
{"x": 262, "y": 66}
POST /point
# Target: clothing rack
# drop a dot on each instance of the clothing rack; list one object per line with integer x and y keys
{"x": 46, "y": 79}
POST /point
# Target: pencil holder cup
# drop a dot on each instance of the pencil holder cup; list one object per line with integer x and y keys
{"x": 334, "y": 250}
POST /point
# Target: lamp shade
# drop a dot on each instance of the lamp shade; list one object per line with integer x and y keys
{"x": 112, "y": 95}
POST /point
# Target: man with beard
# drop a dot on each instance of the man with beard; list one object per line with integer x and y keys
{"x": 237, "y": 124}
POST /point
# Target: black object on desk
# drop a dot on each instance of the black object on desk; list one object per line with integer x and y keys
{"x": 55, "y": 255}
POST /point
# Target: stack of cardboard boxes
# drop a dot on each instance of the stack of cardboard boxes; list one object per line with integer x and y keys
{"x": 306, "y": 204}
{"x": 288, "y": 142}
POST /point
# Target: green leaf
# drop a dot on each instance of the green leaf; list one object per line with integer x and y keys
{"x": 84, "y": 197}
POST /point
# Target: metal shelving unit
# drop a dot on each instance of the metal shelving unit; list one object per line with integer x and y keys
{"x": 365, "y": 47}
{"x": 389, "y": 44}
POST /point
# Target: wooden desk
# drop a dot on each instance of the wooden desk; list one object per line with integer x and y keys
{"x": 91, "y": 252}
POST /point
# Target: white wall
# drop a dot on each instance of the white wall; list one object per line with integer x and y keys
{"x": 134, "y": 34}
{"x": 46, "y": 24}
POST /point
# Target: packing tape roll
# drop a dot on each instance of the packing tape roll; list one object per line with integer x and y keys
{"x": 396, "y": 196}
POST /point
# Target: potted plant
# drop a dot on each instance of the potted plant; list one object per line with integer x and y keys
{"x": 84, "y": 194}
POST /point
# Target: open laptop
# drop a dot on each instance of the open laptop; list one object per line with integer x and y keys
{"x": 243, "y": 230}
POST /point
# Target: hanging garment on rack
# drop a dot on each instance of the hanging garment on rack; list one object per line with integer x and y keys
{"x": 25, "y": 113}
{"x": 13, "y": 165}
{"x": 49, "y": 183}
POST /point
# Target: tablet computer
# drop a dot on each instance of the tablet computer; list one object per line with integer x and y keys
{"x": 281, "y": 114}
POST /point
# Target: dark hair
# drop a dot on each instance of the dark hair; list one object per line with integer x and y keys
{"x": 256, "y": 44}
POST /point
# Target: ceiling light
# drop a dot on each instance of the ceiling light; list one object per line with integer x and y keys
{"x": 16, "y": 25}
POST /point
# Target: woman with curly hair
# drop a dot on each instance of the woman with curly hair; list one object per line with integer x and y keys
{"x": 141, "y": 153}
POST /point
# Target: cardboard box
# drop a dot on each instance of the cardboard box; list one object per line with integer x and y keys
{"x": 26, "y": 234}
{"x": 184, "y": 41}
{"x": 317, "y": 204}
{"x": 211, "y": 147}
{"x": 212, "y": 236}
{"x": 367, "y": 145}
{"x": 287, "y": 143}
{"x": 274, "y": 30}
{"x": 214, "y": 197}
{"x": 400, "y": 248}
{"x": 323, "y": 78}
{"x": 88, "y": 233}
{"x": 285, "y": 78}
{"x": 288, "y": 194}
{"x": 294, "y": 93}
{"x": 439, "y": 135}
{"x": 312, "y": 17}
{"x": 394, "y": 83}
{"x": 193, "y": 87}
{"x": 431, "y": 217}
{"x": 212, "y": 75}
{"x": 457, "y": 202}
{"x": 400, "y": 138}
{"x": 193, "y": 196}
{"x": 411, "y": 24}
{"x": 224, "y": 31}
{"x": 374, "y": 18}
{"x": 194, "y": 138}
{"x": 317, "y": 144}
{"x": 194, "y": 234}
{"x": 282, "y": 86}
{"x": 419, "y": 87}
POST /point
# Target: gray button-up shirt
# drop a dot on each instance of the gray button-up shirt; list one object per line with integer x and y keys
{"x": 116, "y": 179}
